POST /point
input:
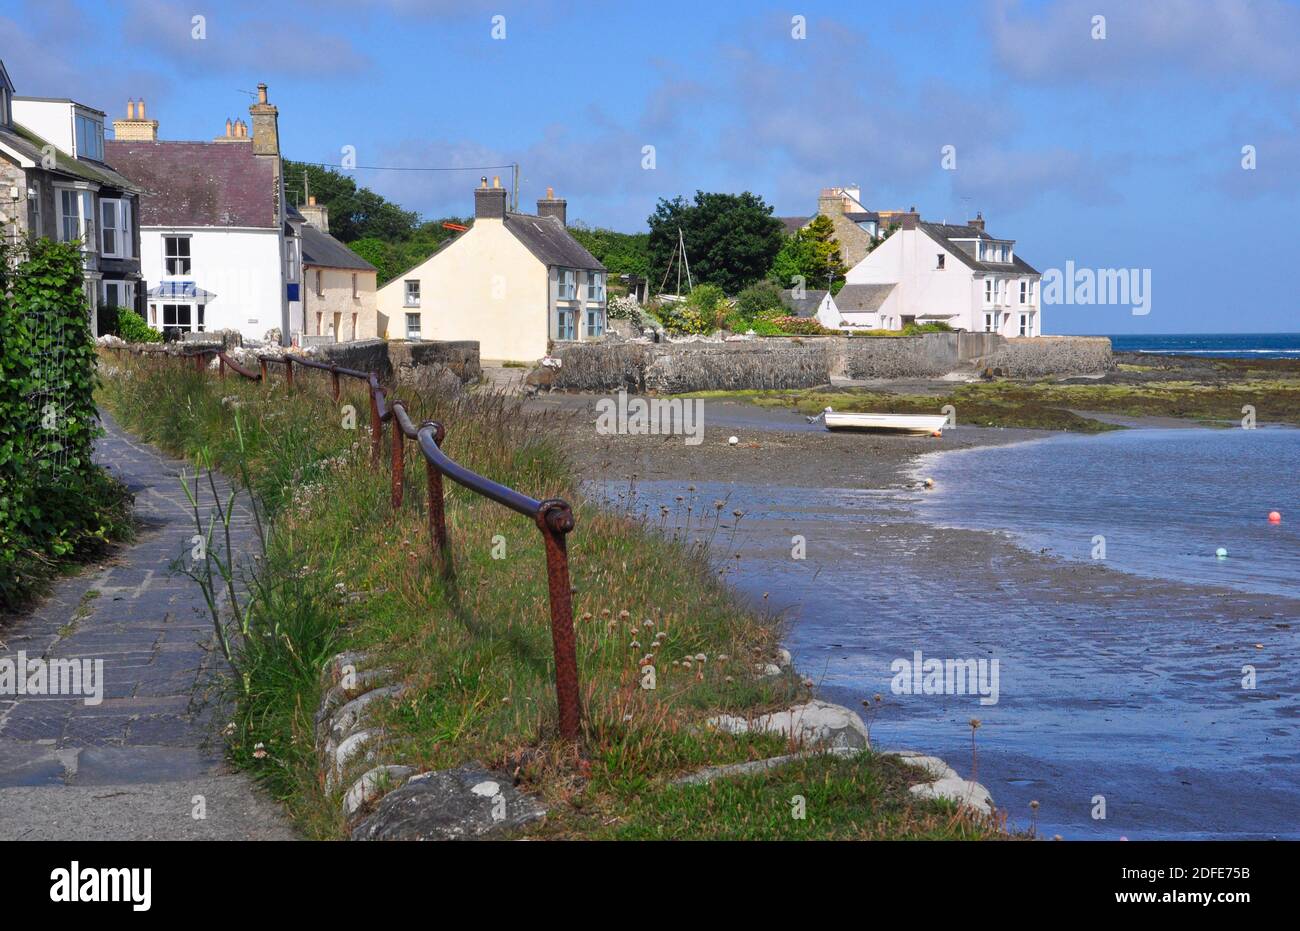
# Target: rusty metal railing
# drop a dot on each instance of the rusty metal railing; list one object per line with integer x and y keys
{"x": 553, "y": 516}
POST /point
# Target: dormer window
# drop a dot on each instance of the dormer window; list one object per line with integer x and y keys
{"x": 90, "y": 138}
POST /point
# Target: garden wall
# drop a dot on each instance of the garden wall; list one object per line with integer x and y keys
{"x": 1042, "y": 356}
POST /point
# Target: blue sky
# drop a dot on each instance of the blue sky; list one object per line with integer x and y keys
{"x": 1122, "y": 152}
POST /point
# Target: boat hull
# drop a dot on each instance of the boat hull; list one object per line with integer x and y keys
{"x": 918, "y": 424}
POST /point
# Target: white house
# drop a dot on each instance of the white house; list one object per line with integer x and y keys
{"x": 55, "y": 182}
{"x": 219, "y": 245}
{"x": 931, "y": 272}
{"x": 513, "y": 281}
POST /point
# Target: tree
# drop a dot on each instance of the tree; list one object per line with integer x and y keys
{"x": 621, "y": 253}
{"x": 812, "y": 253}
{"x": 355, "y": 212}
{"x": 731, "y": 239}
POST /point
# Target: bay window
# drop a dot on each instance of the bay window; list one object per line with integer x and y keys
{"x": 115, "y": 240}
{"x": 76, "y": 215}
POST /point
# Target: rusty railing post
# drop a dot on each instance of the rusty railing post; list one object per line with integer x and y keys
{"x": 221, "y": 366}
{"x": 334, "y": 379}
{"x": 376, "y": 429}
{"x": 262, "y": 362}
{"x": 399, "y": 454}
{"x": 437, "y": 514}
{"x": 555, "y": 520}
{"x": 288, "y": 370}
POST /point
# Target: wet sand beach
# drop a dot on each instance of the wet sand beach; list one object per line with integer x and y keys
{"x": 1116, "y": 690}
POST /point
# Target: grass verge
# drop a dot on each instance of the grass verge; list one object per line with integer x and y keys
{"x": 342, "y": 572}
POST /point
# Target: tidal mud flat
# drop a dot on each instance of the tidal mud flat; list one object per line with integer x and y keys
{"x": 1119, "y": 695}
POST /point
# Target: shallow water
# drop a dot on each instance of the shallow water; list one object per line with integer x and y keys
{"x": 1164, "y": 501}
{"x": 1110, "y": 684}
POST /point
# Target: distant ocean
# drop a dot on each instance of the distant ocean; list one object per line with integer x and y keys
{"x": 1214, "y": 345}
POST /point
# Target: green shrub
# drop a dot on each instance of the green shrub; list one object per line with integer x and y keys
{"x": 132, "y": 328}
{"x": 912, "y": 329}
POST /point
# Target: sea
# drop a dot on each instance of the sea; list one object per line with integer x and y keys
{"x": 1213, "y": 345}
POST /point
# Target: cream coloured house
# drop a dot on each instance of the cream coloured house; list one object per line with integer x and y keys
{"x": 514, "y": 282}
{"x": 339, "y": 296}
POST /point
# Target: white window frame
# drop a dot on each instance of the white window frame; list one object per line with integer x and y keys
{"x": 1026, "y": 325}
{"x": 128, "y": 293}
{"x": 939, "y": 263}
{"x": 120, "y": 228}
{"x": 411, "y": 298}
{"x": 83, "y": 200}
{"x": 188, "y": 259}
{"x": 291, "y": 263}
{"x": 196, "y": 321}
{"x": 990, "y": 322}
{"x": 988, "y": 292}
{"x": 412, "y": 332}
{"x": 1024, "y": 291}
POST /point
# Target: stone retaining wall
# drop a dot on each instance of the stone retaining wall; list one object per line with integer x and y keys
{"x": 1044, "y": 356}
{"x": 807, "y": 362}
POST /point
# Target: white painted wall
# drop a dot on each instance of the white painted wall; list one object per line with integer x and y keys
{"x": 240, "y": 266}
{"x": 49, "y": 119}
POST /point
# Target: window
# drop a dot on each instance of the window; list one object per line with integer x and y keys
{"x": 564, "y": 324}
{"x": 568, "y": 289}
{"x": 291, "y": 260}
{"x": 354, "y": 292}
{"x": 595, "y": 322}
{"x": 90, "y": 138}
{"x": 176, "y": 255}
{"x": 413, "y": 326}
{"x": 413, "y": 295}
{"x": 1024, "y": 292}
{"x": 77, "y": 216}
{"x": 115, "y": 228}
{"x": 319, "y": 322}
{"x": 182, "y": 318}
{"x": 119, "y": 294}
{"x": 1025, "y": 329}
{"x": 988, "y": 323}
{"x": 354, "y": 326}
{"x": 939, "y": 261}
{"x": 988, "y": 290}
{"x": 595, "y": 286}
{"x": 320, "y": 284}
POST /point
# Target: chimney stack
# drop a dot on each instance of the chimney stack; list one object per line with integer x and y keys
{"x": 135, "y": 128}
{"x": 490, "y": 202}
{"x": 266, "y": 125}
{"x": 978, "y": 222}
{"x": 318, "y": 215}
{"x": 830, "y": 202}
{"x": 911, "y": 219}
{"x": 552, "y": 206}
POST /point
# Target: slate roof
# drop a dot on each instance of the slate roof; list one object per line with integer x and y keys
{"x": 805, "y": 306}
{"x": 793, "y": 224}
{"x": 220, "y": 184}
{"x": 546, "y": 238}
{"x": 942, "y": 233}
{"x": 31, "y": 146}
{"x": 862, "y": 298}
{"x": 321, "y": 250}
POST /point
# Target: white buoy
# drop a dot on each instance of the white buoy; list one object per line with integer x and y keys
{"x": 733, "y": 440}
{"x": 1221, "y": 552}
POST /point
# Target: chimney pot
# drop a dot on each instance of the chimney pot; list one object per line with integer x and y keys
{"x": 311, "y": 200}
{"x": 139, "y": 110}
{"x": 496, "y": 181}
{"x": 261, "y": 93}
{"x": 550, "y": 193}
{"x": 130, "y": 109}
{"x": 229, "y": 127}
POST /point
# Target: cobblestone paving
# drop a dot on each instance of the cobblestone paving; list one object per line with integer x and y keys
{"x": 142, "y": 761}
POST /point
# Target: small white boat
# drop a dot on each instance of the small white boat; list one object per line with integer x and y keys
{"x": 922, "y": 424}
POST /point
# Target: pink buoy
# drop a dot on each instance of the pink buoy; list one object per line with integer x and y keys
{"x": 1274, "y": 517}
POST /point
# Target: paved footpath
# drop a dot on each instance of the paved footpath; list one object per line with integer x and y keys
{"x": 147, "y": 759}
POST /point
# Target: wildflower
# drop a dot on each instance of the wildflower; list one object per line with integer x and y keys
{"x": 506, "y": 700}
{"x": 624, "y": 615}
{"x": 647, "y": 623}
{"x": 259, "y": 751}
{"x": 737, "y": 513}
{"x": 229, "y": 729}
{"x": 636, "y": 645}
{"x": 721, "y": 657}
{"x": 627, "y": 717}
{"x": 700, "y": 657}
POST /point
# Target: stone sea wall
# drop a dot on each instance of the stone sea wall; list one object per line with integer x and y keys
{"x": 807, "y": 362}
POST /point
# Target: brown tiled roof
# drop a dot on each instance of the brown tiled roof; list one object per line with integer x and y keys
{"x": 198, "y": 183}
